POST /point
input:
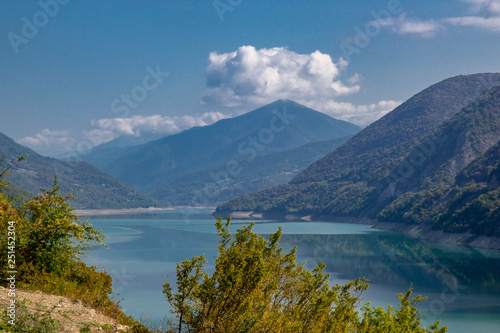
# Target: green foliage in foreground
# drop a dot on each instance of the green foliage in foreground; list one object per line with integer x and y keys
{"x": 44, "y": 241}
{"x": 258, "y": 287}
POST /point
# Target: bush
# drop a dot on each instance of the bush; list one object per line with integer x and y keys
{"x": 46, "y": 242}
{"x": 257, "y": 287}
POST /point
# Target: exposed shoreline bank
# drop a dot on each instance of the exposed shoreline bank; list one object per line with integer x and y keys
{"x": 422, "y": 232}
{"x": 425, "y": 233}
{"x": 124, "y": 211}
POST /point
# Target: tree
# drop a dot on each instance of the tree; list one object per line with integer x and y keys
{"x": 47, "y": 235}
{"x": 42, "y": 241}
{"x": 258, "y": 287}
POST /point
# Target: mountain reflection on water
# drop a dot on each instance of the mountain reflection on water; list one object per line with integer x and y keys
{"x": 400, "y": 260}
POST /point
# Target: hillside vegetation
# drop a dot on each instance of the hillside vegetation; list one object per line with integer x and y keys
{"x": 452, "y": 190}
{"x": 42, "y": 243}
{"x": 403, "y": 167}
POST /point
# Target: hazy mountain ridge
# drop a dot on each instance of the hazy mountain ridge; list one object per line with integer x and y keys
{"x": 358, "y": 178}
{"x": 92, "y": 187}
{"x": 113, "y": 149}
{"x": 277, "y": 127}
{"x": 216, "y": 185}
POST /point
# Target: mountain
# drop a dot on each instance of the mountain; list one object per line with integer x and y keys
{"x": 92, "y": 187}
{"x": 420, "y": 145}
{"x": 470, "y": 204}
{"x": 214, "y": 186}
{"x": 457, "y": 187}
{"x": 234, "y": 142}
{"x": 440, "y": 156}
{"x": 100, "y": 155}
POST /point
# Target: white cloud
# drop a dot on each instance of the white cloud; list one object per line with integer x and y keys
{"x": 485, "y": 8}
{"x": 98, "y": 136}
{"x": 403, "y": 25}
{"x": 107, "y": 129}
{"x": 157, "y": 124}
{"x": 485, "y": 14}
{"x": 361, "y": 115}
{"x": 47, "y": 137}
{"x": 249, "y": 77}
{"x": 49, "y": 142}
{"x": 492, "y": 23}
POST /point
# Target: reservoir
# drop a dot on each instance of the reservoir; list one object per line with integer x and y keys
{"x": 461, "y": 283}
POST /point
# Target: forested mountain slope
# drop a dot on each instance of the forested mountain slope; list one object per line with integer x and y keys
{"x": 424, "y": 143}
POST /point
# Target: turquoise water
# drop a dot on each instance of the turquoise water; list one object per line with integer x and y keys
{"x": 462, "y": 284}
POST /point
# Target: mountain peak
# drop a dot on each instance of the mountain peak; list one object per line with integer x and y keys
{"x": 285, "y": 102}
{"x": 279, "y": 126}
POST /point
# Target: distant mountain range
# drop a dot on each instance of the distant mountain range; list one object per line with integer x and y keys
{"x": 216, "y": 185}
{"x": 434, "y": 159}
{"x": 207, "y": 165}
{"x": 102, "y": 154}
{"x": 92, "y": 187}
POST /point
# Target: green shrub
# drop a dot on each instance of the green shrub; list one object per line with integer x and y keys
{"x": 48, "y": 241}
{"x": 257, "y": 287}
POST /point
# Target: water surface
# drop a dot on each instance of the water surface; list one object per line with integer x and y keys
{"x": 462, "y": 284}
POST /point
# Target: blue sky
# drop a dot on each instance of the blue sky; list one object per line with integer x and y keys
{"x": 75, "y": 74}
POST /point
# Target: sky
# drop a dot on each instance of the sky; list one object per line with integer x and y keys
{"x": 76, "y": 74}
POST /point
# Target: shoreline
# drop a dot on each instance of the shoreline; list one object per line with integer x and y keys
{"x": 425, "y": 233}
{"x": 123, "y": 211}
{"x": 422, "y": 232}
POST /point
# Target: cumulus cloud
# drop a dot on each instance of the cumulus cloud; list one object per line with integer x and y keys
{"x": 107, "y": 129}
{"x": 485, "y": 15}
{"x": 247, "y": 78}
{"x": 402, "y": 25}
{"x": 250, "y": 77}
